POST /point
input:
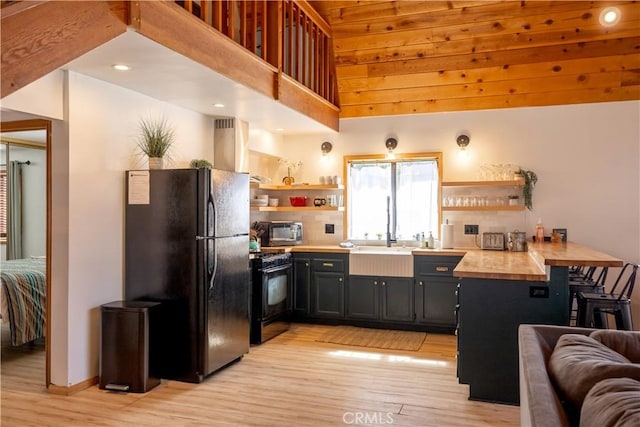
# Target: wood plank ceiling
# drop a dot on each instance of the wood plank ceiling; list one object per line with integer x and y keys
{"x": 405, "y": 57}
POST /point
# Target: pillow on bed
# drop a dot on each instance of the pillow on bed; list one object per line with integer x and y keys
{"x": 612, "y": 403}
{"x": 626, "y": 343}
{"x": 578, "y": 362}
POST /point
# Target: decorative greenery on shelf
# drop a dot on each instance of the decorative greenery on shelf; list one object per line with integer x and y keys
{"x": 530, "y": 179}
{"x": 156, "y": 137}
{"x": 201, "y": 164}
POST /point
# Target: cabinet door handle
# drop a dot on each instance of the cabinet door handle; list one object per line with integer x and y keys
{"x": 420, "y": 283}
{"x": 340, "y": 279}
{"x": 306, "y": 264}
{"x": 442, "y": 268}
{"x": 375, "y": 282}
{"x": 384, "y": 284}
{"x": 327, "y": 264}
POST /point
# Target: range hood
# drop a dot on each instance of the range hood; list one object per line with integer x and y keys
{"x": 231, "y": 145}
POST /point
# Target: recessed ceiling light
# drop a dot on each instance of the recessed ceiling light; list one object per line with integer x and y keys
{"x": 610, "y": 16}
{"x": 218, "y": 105}
{"x": 279, "y": 129}
{"x": 121, "y": 67}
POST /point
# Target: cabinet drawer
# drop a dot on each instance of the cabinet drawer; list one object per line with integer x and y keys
{"x": 436, "y": 265}
{"x": 335, "y": 265}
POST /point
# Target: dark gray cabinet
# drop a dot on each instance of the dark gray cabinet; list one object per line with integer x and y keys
{"x": 489, "y": 316}
{"x": 397, "y": 299}
{"x": 435, "y": 290}
{"x": 301, "y": 285}
{"x": 319, "y": 281}
{"x": 380, "y": 298}
{"x": 328, "y": 280}
{"x": 363, "y": 297}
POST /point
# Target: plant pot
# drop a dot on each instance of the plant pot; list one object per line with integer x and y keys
{"x": 155, "y": 162}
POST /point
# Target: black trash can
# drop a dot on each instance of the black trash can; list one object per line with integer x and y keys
{"x": 128, "y": 346}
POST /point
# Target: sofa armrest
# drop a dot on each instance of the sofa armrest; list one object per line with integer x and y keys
{"x": 539, "y": 403}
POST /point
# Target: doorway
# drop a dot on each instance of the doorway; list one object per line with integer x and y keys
{"x": 25, "y": 214}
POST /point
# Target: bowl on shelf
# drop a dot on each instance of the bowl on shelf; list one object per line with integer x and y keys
{"x": 273, "y": 202}
{"x": 298, "y": 201}
{"x": 259, "y": 202}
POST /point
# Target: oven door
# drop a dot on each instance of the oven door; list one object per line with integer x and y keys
{"x": 276, "y": 292}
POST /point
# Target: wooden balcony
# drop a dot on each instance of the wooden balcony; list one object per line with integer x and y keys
{"x": 281, "y": 49}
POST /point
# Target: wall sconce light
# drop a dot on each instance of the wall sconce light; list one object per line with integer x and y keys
{"x": 463, "y": 141}
{"x": 326, "y": 147}
{"x": 391, "y": 144}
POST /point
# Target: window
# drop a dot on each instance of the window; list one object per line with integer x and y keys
{"x": 402, "y": 193}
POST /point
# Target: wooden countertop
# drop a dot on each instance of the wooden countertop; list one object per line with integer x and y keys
{"x": 503, "y": 265}
{"x": 530, "y": 265}
{"x": 569, "y": 253}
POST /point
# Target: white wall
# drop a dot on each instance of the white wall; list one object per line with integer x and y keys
{"x": 586, "y": 157}
{"x": 103, "y": 121}
{"x": 91, "y": 150}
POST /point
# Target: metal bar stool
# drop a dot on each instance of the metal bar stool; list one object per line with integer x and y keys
{"x": 581, "y": 280}
{"x": 590, "y": 304}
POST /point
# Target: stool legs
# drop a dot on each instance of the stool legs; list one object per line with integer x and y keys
{"x": 623, "y": 318}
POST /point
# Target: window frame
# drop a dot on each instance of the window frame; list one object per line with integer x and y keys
{"x": 347, "y": 160}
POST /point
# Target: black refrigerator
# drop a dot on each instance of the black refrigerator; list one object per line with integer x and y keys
{"x": 187, "y": 247}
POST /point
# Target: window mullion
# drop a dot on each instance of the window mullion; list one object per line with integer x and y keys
{"x": 393, "y": 201}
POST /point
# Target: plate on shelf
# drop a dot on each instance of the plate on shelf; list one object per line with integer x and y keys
{"x": 259, "y": 202}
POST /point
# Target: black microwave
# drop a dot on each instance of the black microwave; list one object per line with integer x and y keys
{"x": 280, "y": 233}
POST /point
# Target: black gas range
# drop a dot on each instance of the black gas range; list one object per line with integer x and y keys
{"x": 271, "y": 289}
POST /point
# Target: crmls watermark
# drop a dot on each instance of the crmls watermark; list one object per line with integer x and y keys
{"x": 367, "y": 418}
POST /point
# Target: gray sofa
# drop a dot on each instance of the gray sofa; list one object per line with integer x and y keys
{"x": 571, "y": 376}
{"x": 539, "y": 402}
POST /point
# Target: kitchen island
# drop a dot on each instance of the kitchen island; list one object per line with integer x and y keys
{"x": 500, "y": 291}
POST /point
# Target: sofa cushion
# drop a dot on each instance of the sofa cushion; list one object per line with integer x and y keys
{"x": 578, "y": 362}
{"x": 614, "y": 402}
{"x": 626, "y": 343}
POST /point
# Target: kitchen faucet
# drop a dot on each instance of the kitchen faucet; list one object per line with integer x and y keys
{"x": 389, "y": 239}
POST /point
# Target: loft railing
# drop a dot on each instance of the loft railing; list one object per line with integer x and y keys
{"x": 290, "y": 36}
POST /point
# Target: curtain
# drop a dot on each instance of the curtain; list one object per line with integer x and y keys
{"x": 14, "y": 214}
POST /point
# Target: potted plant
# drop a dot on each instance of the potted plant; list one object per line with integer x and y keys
{"x": 201, "y": 164}
{"x": 530, "y": 179}
{"x": 155, "y": 139}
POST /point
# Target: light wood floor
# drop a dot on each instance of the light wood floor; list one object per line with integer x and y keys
{"x": 291, "y": 380}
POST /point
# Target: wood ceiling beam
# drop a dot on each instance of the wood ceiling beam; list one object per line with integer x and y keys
{"x": 482, "y": 89}
{"x": 581, "y": 96}
{"x": 601, "y": 48}
{"x": 538, "y": 30}
{"x": 40, "y": 39}
{"x": 525, "y": 71}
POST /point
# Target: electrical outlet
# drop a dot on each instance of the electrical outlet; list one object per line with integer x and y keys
{"x": 471, "y": 229}
{"x": 329, "y": 229}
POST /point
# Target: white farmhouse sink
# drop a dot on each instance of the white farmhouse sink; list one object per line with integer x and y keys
{"x": 383, "y": 249}
{"x": 381, "y": 261}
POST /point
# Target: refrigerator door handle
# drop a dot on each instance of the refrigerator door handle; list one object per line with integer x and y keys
{"x": 212, "y": 272}
{"x": 211, "y": 231}
{"x": 220, "y": 237}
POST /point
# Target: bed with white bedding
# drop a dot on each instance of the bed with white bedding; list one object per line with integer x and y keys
{"x": 23, "y": 298}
